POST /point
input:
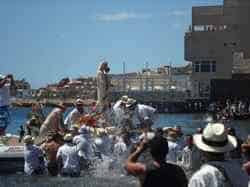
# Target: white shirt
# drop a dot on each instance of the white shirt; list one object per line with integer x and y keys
{"x": 5, "y": 95}
{"x": 70, "y": 158}
{"x": 32, "y": 154}
{"x": 191, "y": 158}
{"x": 144, "y": 111}
{"x": 73, "y": 117}
{"x": 210, "y": 176}
{"x": 174, "y": 152}
{"x": 119, "y": 113}
{"x": 120, "y": 147}
{"x": 85, "y": 146}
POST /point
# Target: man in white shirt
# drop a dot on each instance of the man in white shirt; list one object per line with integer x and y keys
{"x": 143, "y": 115}
{"x": 74, "y": 116}
{"x": 6, "y": 87}
{"x": 174, "y": 153}
{"x": 191, "y": 158}
{"x": 68, "y": 158}
{"x": 84, "y": 144}
{"x": 34, "y": 163}
{"x": 119, "y": 111}
{"x": 214, "y": 143}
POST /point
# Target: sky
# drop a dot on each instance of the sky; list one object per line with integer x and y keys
{"x": 44, "y": 41}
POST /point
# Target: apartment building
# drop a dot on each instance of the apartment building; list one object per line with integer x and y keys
{"x": 216, "y": 36}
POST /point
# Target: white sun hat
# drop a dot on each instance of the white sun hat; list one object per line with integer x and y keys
{"x": 130, "y": 102}
{"x": 68, "y": 137}
{"x": 215, "y": 139}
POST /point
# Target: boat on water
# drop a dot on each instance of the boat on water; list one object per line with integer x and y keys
{"x": 11, "y": 155}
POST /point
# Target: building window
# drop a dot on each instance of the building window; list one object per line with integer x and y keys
{"x": 196, "y": 67}
{"x": 199, "y": 28}
{"x": 205, "y": 66}
{"x": 213, "y": 66}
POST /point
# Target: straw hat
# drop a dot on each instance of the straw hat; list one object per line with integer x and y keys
{"x": 124, "y": 99}
{"x": 130, "y": 102}
{"x": 172, "y": 134}
{"x": 68, "y": 137}
{"x": 61, "y": 105}
{"x": 215, "y": 139}
{"x": 79, "y": 102}
{"x": 28, "y": 139}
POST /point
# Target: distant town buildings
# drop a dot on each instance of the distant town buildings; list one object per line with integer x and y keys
{"x": 163, "y": 84}
{"x": 163, "y": 78}
{"x": 23, "y": 89}
{"x": 217, "y": 44}
{"x": 159, "y": 84}
{"x": 84, "y": 88}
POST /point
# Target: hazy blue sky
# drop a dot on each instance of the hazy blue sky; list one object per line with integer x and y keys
{"x": 46, "y": 40}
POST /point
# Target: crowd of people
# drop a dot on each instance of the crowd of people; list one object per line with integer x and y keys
{"x": 230, "y": 109}
{"x": 212, "y": 157}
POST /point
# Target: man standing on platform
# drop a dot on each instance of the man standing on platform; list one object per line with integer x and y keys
{"x": 7, "y": 88}
{"x": 54, "y": 121}
{"x": 75, "y": 115}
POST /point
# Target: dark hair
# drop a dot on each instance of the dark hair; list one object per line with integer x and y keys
{"x": 232, "y": 131}
{"x": 158, "y": 147}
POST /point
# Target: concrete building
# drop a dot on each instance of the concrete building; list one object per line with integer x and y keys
{"x": 146, "y": 80}
{"x": 161, "y": 84}
{"x": 217, "y": 34}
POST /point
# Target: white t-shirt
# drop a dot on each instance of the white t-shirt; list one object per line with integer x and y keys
{"x": 73, "y": 117}
{"x": 120, "y": 147}
{"x": 144, "y": 111}
{"x": 5, "y": 95}
{"x": 174, "y": 152}
{"x": 210, "y": 176}
{"x": 70, "y": 158}
{"x": 85, "y": 147}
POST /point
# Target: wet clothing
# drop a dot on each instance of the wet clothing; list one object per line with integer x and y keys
{"x": 54, "y": 122}
{"x": 144, "y": 113}
{"x": 85, "y": 146}
{"x": 68, "y": 156}
{"x": 191, "y": 158}
{"x": 34, "y": 162}
{"x": 73, "y": 118}
{"x": 120, "y": 148}
{"x": 152, "y": 174}
{"x": 119, "y": 114}
{"x": 174, "y": 153}
{"x": 219, "y": 174}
